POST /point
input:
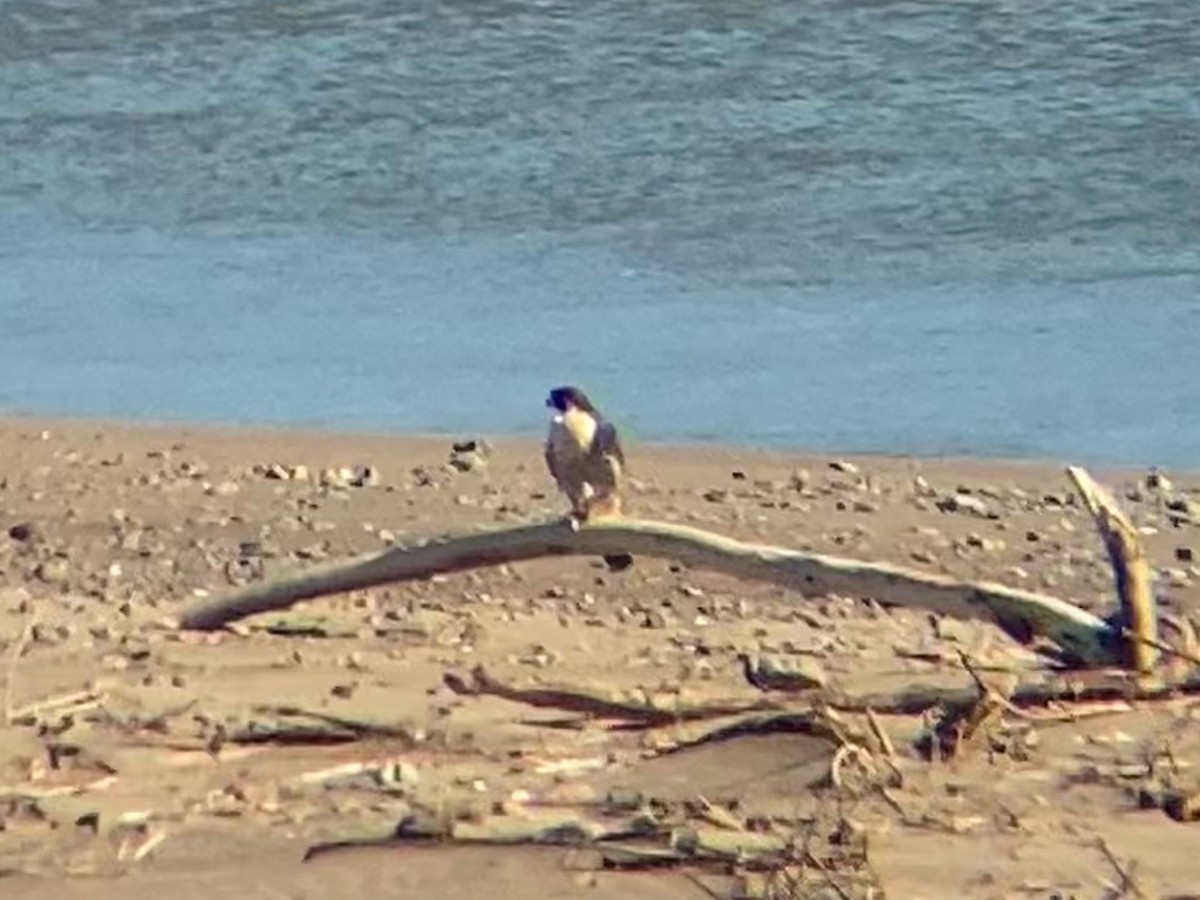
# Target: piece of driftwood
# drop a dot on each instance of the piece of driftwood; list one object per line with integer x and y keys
{"x": 679, "y": 840}
{"x": 308, "y": 626}
{"x": 1083, "y": 638}
{"x": 42, "y": 792}
{"x": 1131, "y": 570}
{"x": 59, "y": 706}
{"x": 964, "y": 724}
{"x": 560, "y": 827}
{"x": 283, "y": 724}
{"x": 786, "y": 675}
{"x": 815, "y": 712}
{"x": 651, "y": 708}
{"x": 293, "y": 724}
{"x": 631, "y": 839}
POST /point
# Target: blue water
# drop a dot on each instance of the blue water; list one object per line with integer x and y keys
{"x": 862, "y": 226}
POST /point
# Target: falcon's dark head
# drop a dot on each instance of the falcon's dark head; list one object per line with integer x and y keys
{"x": 564, "y": 398}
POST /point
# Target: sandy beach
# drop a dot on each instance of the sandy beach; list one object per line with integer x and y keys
{"x": 148, "y": 783}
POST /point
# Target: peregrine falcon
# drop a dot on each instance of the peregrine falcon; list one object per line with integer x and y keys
{"x": 584, "y": 455}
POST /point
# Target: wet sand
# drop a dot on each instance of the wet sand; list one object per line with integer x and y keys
{"x": 111, "y": 529}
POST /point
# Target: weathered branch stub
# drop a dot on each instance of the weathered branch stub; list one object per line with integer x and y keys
{"x": 1131, "y": 569}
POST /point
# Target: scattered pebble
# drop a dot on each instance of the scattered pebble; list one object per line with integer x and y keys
{"x": 24, "y": 531}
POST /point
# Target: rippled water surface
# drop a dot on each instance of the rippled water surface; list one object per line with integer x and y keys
{"x": 902, "y": 226}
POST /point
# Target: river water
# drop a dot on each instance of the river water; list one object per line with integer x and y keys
{"x": 927, "y": 227}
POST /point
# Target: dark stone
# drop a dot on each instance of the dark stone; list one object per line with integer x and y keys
{"x": 23, "y": 531}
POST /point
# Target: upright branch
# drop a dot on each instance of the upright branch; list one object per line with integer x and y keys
{"x": 1131, "y": 570}
{"x": 1084, "y": 639}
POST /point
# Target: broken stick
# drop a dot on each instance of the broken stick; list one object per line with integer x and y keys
{"x": 605, "y": 702}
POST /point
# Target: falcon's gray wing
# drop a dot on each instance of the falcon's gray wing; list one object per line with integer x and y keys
{"x": 550, "y": 456}
{"x": 608, "y": 442}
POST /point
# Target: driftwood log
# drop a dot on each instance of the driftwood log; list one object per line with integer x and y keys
{"x": 1083, "y": 639}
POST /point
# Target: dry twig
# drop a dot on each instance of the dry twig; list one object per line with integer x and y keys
{"x": 1130, "y": 886}
{"x": 14, "y": 659}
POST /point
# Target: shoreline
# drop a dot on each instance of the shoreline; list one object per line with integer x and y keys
{"x": 692, "y": 451}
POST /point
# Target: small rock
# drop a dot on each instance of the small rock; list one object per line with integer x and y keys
{"x": 538, "y": 657}
{"x": 468, "y": 462}
{"x": 190, "y": 469}
{"x": 1157, "y": 481}
{"x": 654, "y": 619}
{"x": 24, "y": 532}
{"x": 1178, "y": 577}
{"x": 222, "y": 489}
{"x": 399, "y": 775}
{"x": 52, "y": 571}
{"x": 336, "y": 478}
{"x": 773, "y": 673}
{"x": 364, "y": 476}
{"x": 963, "y": 503}
{"x": 1184, "y": 554}
{"x": 988, "y": 545}
{"x": 841, "y": 465}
